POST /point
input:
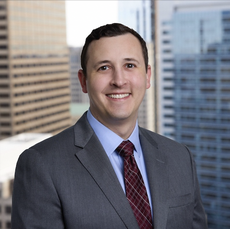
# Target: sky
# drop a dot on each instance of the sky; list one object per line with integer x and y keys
{"x": 84, "y": 16}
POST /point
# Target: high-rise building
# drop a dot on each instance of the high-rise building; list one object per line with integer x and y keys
{"x": 164, "y": 67}
{"x": 34, "y": 67}
{"x": 195, "y": 73}
{"x": 79, "y": 100}
{"x": 77, "y": 96}
{"x": 137, "y": 15}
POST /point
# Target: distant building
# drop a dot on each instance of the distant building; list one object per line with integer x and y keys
{"x": 10, "y": 149}
{"x": 5, "y": 205}
{"x": 137, "y": 15}
{"x": 195, "y": 95}
{"x": 79, "y": 99}
{"x": 164, "y": 60}
{"x": 77, "y": 96}
{"x": 34, "y": 67}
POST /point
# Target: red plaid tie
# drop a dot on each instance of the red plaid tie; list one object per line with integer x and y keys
{"x": 135, "y": 188}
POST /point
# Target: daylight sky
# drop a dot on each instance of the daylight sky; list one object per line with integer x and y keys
{"x": 83, "y": 16}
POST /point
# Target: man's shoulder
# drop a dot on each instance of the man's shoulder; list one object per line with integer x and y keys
{"x": 64, "y": 138}
{"x": 158, "y": 138}
{"x": 59, "y": 140}
{"x": 164, "y": 144}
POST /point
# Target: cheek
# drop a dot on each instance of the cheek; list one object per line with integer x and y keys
{"x": 95, "y": 87}
{"x": 140, "y": 83}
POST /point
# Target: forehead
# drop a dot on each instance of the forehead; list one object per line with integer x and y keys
{"x": 115, "y": 47}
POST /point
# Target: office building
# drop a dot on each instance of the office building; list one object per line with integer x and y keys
{"x": 34, "y": 67}
{"x": 77, "y": 96}
{"x": 195, "y": 73}
{"x": 164, "y": 67}
{"x": 11, "y": 148}
{"x": 137, "y": 15}
{"x": 79, "y": 100}
{"x": 5, "y": 205}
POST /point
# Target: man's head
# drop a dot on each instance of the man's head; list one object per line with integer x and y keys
{"x": 110, "y": 30}
{"x": 116, "y": 76}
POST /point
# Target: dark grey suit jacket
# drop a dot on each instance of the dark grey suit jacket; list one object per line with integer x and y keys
{"x": 67, "y": 181}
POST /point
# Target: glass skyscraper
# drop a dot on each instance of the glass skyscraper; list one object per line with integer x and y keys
{"x": 136, "y": 15}
{"x": 200, "y": 42}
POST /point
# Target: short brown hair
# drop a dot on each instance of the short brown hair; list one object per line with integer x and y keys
{"x": 111, "y": 30}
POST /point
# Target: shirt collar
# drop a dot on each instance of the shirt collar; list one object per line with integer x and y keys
{"x": 110, "y": 140}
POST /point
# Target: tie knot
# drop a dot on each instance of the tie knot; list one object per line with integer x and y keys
{"x": 125, "y": 149}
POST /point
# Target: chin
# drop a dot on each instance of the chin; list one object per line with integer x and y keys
{"x": 121, "y": 115}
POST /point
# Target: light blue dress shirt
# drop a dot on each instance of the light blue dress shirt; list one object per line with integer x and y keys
{"x": 110, "y": 141}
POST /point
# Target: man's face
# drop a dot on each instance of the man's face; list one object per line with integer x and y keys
{"x": 116, "y": 79}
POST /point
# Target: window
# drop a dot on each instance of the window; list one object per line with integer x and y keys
{"x": 166, "y": 42}
{"x": 8, "y": 225}
{"x": 8, "y": 209}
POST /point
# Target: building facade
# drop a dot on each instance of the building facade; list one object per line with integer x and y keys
{"x": 202, "y": 103}
{"x": 79, "y": 99}
{"x": 77, "y": 96}
{"x": 195, "y": 93}
{"x": 34, "y": 67}
{"x": 5, "y": 204}
{"x": 164, "y": 67}
{"x": 136, "y": 15}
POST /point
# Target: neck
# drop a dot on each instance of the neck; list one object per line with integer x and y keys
{"x": 124, "y": 130}
{"x": 122, "y": 127}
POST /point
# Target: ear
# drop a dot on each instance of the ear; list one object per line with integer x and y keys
{"x": 82, "y": 80}
{"x": 148, "y": 77}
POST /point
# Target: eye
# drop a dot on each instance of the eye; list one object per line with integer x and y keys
{"x": 130, "y": 65}
{"x": 103, "y": 68}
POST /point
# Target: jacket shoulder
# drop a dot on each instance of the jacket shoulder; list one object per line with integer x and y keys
{"x": 158, "y": 139}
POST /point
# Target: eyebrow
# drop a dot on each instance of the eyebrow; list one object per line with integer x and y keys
{"x": 108, "y": 61}
{"x": 132, "y": 60}
{"x": 101, "y": 62}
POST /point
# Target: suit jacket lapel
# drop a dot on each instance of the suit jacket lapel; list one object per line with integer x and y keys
{"x": 157, "y": 177}
{"x": 92, "y": 156}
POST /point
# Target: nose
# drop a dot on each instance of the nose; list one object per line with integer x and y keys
{"x": 118, "y": 78}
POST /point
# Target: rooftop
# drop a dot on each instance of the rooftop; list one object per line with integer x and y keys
{"x": 11, "y": 148}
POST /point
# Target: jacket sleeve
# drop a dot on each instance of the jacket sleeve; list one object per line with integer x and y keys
{"x": 35, "y": 203}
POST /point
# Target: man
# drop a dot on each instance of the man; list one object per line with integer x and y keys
{"x": 78, "y": 178}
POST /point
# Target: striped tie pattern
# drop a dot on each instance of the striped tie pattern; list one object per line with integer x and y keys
{"x": 135, "y": 188}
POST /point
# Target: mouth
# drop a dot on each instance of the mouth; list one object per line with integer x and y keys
{"x": 118, "y": 96}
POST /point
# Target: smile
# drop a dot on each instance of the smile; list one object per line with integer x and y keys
{"x": 118, "y": 96}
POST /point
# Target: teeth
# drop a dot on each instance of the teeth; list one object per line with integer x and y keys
{"x": 118, "y": 96}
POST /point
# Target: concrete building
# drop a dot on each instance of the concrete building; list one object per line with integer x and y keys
{"x": 5, "y": 205}
{"x": 34, "y": 67}
{"x": 79, "y": 100}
